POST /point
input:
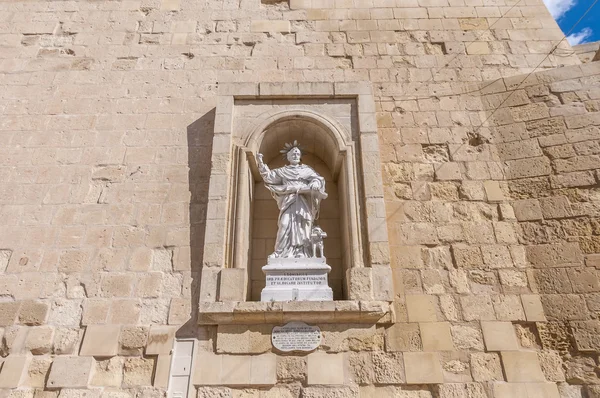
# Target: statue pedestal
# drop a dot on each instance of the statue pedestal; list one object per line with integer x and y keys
{"x": 296, "y": 279}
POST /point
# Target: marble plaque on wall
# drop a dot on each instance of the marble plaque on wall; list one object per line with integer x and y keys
{"x": 296, "y": 336}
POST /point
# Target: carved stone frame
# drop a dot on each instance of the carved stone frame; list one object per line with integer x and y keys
{"x": 224, "y": 277}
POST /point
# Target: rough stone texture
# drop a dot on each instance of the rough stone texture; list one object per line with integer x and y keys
{"x": 489, "y": 191}
{"x": 70, "y": 372}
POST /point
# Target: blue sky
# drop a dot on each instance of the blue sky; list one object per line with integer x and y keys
{"x": 568, "y": 12}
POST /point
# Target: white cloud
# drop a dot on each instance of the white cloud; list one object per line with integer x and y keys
{"x": 579, "y": 37}
{"x": 558, "y": 8}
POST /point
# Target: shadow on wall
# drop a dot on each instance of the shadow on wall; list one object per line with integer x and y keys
{"x": 199, "y": 143}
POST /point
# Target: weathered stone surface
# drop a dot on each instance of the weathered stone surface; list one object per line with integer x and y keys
{"x": 522, "y": 366}
{"x": 241, "y": 339}
{"x": 554, "y": 255}
{"x": 160, "y": 340}
{"x": 582, "y": 370}
{"x": 499, "y": 336}
{"x": 14, "y": 371}
{"x": 403, "y": 337}
{"x": 70, "y": 372}
{"x": 39, "y": 340}
{"x": 586, "y": 335}
{"x": 108, "y": 372}
{"x": 291, "y": 369}
{"x": 388, "y": 368}
{"x": 101, "y": 340}
{"x": 325, "y": 368}
{"x": 486, "y": 366}
{"x": 467, "y": 337}
{"x": 423, "y": 368}
{"x": 138, "y": 372}
{"x": 551, "y": 364}
{"x": 436, "y": 336}
{"x": 132, "y": 340}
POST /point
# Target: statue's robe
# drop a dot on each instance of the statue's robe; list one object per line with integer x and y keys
{"x": 297, "y": 211}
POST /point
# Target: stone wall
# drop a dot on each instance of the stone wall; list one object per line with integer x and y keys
{"x": 550, "y": 141}
{"x": 106, "y": 131}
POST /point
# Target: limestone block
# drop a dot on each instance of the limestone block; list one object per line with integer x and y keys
{"x": 467, "y": 338}
{"x": 160, "y": 340}
{"x": 564, "y": 307}
{"x": 388, "y": 368}
{"x": 525, "y": 390}
{"x": 421, "y": 308}
{"x": 532, "y": 167}
{"x": 269, "y": 26}
{"x": 290, "y": 368}
{"x": 383, "y": 283}
{"x": 486, "y": 366}
{"x": 117, "y": 285}
{"x": 138, "y": 372}
{"x": 108, "y": 372}
{"x": 101, "y": 340}
{"x": 477, "y": 307}
{"x": 37, "y": 372}
{"x": 534, "y": 311}
{"x": 8, "y": 313}
{"x": 436, "y": 336}
{"x": 70, "y": 372}
{"x": 423, "y": 368}
{"x": 132, "y": 340}
{"x": 14, "y": 371}
{"x": 584, "y": 280}
{"x": 448, "y": 171}
{"x": 325, "y": 368}
{"x": 66, "y": 340}
{"x": 467, "y": 256}
{"x": 73, "y": 261}
{"x": 162, "y": 372}
{"x": 554, "y": 255}
{"x": 39, "y": 340}
{"x": 527, "y": 210}
{"x": 243, "y": 339}
{"x": 232, "y": 284}
{"x": 209, "y": 284}
{"x": 460, "y": 390}
{"x": 95, "y": 311}
{"x": 581, "y": 370}
{"x": 508, "y": 308}
{"x": 522, "y": 366}
{"x": 360, "y": 283}
{"x": 207, "y": 369}
{"x": 33, "y": 312}
{"x": 170, "y": 5}
{"x": 493, "y": 191}
{"x": 236, "y": 370}
{"x": 263, "y": 370}
{"x": 556, "y": 207}
{"x": 552, "y": 365}
{"x": 586, "y": 335}
{"x": 499, "y": 336}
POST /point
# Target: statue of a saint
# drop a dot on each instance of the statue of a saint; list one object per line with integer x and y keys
{"x": 298, "y": 190}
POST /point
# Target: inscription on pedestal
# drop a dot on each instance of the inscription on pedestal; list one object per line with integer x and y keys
{"x": 292, "y": 279}
{"x": 296, "y": 336}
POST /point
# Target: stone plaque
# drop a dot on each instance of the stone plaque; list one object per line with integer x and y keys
{"x": 296, "y": 336}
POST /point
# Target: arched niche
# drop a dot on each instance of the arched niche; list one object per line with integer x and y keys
{"x": 325, "y": 148}
{"x": 336, "y": 124}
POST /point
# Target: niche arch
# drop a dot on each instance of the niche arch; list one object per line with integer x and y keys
{"x": 327, "y": 148}
{"x": 337, "y": 128}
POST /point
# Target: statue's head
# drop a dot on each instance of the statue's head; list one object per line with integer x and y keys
{"x": 292, "y": 152}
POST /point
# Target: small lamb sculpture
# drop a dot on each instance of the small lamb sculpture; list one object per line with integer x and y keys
{"x": 316, "y": 238}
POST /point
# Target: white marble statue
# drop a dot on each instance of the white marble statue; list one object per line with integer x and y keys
{"x": 298, "y": 190}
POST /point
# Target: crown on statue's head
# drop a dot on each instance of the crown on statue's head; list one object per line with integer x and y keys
{"x": 289, "y": 146}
